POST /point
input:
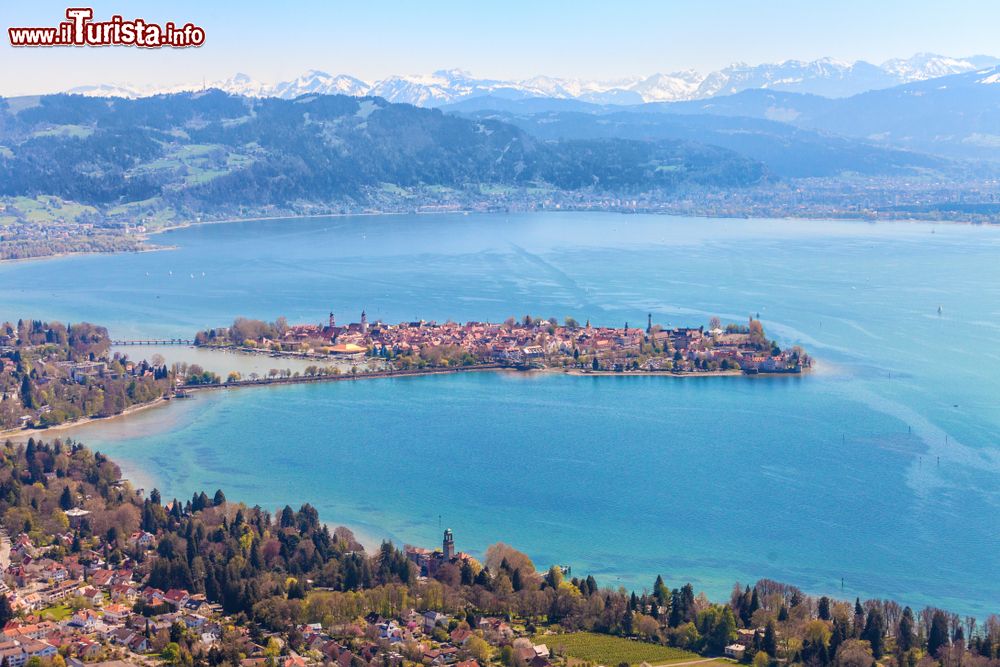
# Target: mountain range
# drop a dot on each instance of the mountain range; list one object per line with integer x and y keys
{"x": 210, "y": 152}
{"x": 825, "y": 77}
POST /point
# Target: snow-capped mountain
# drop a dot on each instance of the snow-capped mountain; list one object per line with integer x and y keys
{"x": 825, "y": 77}
{"x": 669, "y": 87}
{"x": 316, "y": 82}
{"x": 931, "y": 66}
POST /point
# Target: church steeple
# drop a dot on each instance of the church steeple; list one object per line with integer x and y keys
{"x": 364, "y": 322}
{"x": 448, "y": 545}
{"x": 333, "y": 321}
{"x": 649, "y": 323}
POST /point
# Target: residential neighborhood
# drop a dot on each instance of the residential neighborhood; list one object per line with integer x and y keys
{"x": 83, "y": 609}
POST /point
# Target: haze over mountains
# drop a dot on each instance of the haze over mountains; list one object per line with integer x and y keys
{"x": 824, "y": 77}
{"x": 914, "y": 136}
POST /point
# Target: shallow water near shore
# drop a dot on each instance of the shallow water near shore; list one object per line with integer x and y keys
{"x": 880, "y": 468}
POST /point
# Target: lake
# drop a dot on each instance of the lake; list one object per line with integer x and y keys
{"x": 875, "y": 475}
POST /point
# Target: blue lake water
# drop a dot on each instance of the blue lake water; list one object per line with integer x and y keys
{"x": 880, "y": 468}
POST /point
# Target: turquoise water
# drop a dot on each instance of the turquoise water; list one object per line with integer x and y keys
{"x": 880, "y": 468}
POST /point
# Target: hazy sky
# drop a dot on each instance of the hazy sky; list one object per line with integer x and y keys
{"x": 370, "y": 39}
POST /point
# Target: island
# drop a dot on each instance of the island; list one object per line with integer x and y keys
{"x": 529, "y": 343}
{"x": 53, "y": 374}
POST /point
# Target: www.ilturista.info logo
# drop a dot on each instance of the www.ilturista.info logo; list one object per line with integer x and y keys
{"x": 81, "y": 30}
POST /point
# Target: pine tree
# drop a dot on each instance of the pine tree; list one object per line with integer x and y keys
{"x": 938, "y": 636}
{"x": 770, "y": 645}
{"x": 675, "y": 608}
{"x": 824, "y": 608}
{"x": 754, "y": 602}
{"x": 660, "y": 591}
{"x": 874, "y": 633}
{"x": 6, "y": 612}
{"x": 66, "y": 499}
{"x": 904, "y": 634}
{"x": 745, "y": 601}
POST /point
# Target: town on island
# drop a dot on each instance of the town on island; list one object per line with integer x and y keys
{"x": 528, "y": 343}
{"x": 53, "y": 374}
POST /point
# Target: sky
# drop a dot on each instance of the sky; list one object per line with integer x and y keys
{"x": 512, "y": 39}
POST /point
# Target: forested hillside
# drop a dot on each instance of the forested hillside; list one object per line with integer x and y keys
{"x": 208, "y": 152}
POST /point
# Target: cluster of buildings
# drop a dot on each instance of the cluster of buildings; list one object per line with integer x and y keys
{"x": 94, "y": 602}
{"x": 541, "y": 342}
{"x": 85, "y": 609}
{"x": 429, "y": 562}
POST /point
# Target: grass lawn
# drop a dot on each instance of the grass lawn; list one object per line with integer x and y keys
{"x": 611, "y": 651}
{"x": 59, "y": 612}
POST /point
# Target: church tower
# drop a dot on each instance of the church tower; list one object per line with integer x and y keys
{"x": 333, "y": 321}
{"x": 649, "y": 323}
{"x": 364, "y": 322}
{"x": 448, "y": 546}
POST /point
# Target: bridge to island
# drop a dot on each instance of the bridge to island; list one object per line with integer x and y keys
{"x": 154, "y": 341}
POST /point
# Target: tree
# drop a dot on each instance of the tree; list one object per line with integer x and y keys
{"x": 661, "y": 592}
{"x": 854, "y": 653}
{"x": 718, "y": 626}
{"x": 66, "y": 499}
{"x": 824, "y": 608}
{"x": 904, "y": 634}
{"x": 874, "y": 632}
{"x": 171, "y": 653}
{"x": 770, "y": 643}
{"x": 478, "y": 649}
{"x": 938, "y": 635}
{"x": 646, "y": 625}
{"x": 6, "y": 611}
{"x": 754, "y": 603}
{"x": 554, "y": 577}
{"x": 219, "y": 499}
{"x": 26, "y": 398}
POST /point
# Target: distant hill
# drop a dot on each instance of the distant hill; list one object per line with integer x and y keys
{"x": 957, "y": 115}
{"x": 214, "y": 152}
{"x": 787, "y": 151}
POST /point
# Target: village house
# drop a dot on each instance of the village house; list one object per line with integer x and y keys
{"x": 17, "y": 653}
{"x": 142, "y": 540}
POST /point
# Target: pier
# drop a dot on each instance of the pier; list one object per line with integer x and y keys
{"x": 155, "y": 341}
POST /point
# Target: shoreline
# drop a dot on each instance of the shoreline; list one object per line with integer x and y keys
{"x": 145, "y": 236}
{"x": 87, "y": 253}
{"x": 186, "y": 391}
{"x": 83, "y": 421}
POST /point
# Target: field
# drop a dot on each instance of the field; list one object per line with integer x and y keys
{"x": 56, "y": 613}
{"x": 612, "y": 651}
